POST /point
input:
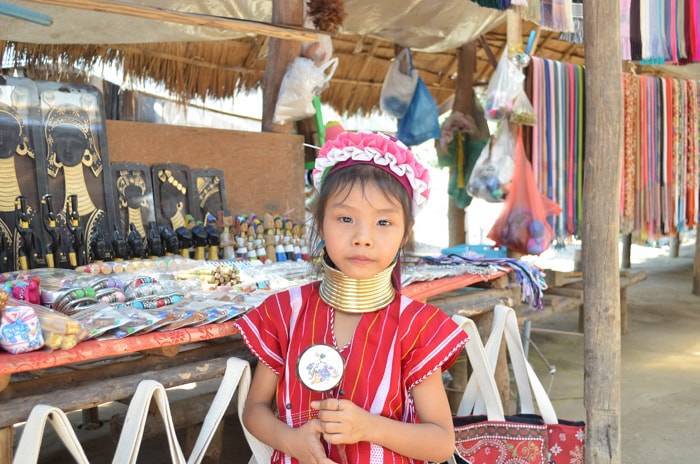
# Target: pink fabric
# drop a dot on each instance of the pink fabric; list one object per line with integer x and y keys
{"x": 389, "y": 154}
{"x": 625, "y": 7}
{"x": 692, "y": 21}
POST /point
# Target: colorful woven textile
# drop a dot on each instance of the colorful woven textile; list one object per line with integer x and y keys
{"x": 557, "y": 139}
{"x": 661, "y": 156}
{"x": 660, "y": 31}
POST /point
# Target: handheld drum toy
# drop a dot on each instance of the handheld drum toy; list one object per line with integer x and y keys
{"x": 320, "y": 368}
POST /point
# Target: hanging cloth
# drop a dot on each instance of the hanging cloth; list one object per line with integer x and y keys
{"x": 692, "y": 30}
{"x": 630, "y": 148}
{"x": 635, "y": 31}
{"x": 625, "y": 12}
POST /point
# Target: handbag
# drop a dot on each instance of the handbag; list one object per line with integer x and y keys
{"x": 236, "y": 377}
{"x": 494, "y": 438}
{"x": 565, "y": 443}
{"x": 420, "y": 123}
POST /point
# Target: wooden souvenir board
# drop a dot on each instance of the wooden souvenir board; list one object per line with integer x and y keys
{"x": 170, "y": 192}
{"x": 133, "y": 195}
{"x": 207, "y": 192}
{"x": 267, "y": 169}
{"x": 75, "y": 156}
{"x": 20, "y": 160}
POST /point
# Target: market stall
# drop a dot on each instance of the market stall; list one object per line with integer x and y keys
{"x": 103, "y": 370}
{"x": 366, "y": 47}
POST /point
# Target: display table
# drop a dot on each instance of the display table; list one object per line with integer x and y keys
{"x": 98, "y": 371}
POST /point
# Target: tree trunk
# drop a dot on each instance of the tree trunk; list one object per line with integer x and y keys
{"x": 464, "y": 103}
{"x": 601, "y": 284}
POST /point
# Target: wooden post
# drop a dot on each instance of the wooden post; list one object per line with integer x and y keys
{"x": 514, "y": 34}
{"x": 696, "y": 268}
{"x": 6, "y": 444}
{"x": 601, "y": 282}
{"x": 282, "y": 52}
{"x": 627, "y": 251}
{"x": 464, "y": 103}
{"x": 675, "y": 245}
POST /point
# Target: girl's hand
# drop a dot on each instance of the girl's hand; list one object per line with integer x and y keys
{"x": 342, "y": 421}
{"x": 306, "y": 445}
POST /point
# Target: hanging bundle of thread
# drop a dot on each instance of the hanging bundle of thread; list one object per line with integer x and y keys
{"x": 557, "y": 139}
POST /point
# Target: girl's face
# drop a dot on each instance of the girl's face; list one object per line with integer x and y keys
{"x": 363, "y": 229}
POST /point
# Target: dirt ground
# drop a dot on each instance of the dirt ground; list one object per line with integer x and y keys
{"x": 660, "y": 376}
{"x": 660, "y": 365}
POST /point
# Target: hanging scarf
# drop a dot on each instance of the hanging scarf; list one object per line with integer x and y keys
{"x": 625, "y": 13}
{"x": 635, "y": 31}
{"x": 557, "y": 139}
{"x": 652, "y": 21}
{"x": 630, "y": 148}
{"x": 692, "y": 30}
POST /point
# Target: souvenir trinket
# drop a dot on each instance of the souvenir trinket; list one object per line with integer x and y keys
{"x": 320, "y": 368}
{"x": 77, "y": 162}
{"x": 207, "y": 193}
{"x": 170, "y": 189}
{"x": 20, "y": 330}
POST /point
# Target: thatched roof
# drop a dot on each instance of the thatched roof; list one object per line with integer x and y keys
{"x": 217, "y": 69}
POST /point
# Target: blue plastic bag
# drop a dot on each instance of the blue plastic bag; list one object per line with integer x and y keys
{"x": 420, "y": 123}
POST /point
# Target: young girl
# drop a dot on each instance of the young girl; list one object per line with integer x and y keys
{"x": 390, "y": 405}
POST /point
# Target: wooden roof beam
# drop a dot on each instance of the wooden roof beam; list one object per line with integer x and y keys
{"x": 242, "y": 26}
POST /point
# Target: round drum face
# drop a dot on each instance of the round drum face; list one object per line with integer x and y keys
{"x": 320, "y": 368}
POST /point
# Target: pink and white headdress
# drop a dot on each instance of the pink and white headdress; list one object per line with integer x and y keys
{"x": 351, "y": 148}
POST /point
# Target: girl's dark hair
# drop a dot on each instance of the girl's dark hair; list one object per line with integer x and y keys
{"x": 346, "y": 179}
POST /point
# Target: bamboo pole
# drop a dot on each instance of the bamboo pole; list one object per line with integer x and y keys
{"x": 288, "y": 32}
{"x": 463, "y": 102}
{"x": 281, "y": 54}
{"x": 601, "y": 282}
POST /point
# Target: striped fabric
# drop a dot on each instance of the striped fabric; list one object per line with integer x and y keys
{"x": 557, "y": 138}
{"x": 392, "y": 351}
{"x": 660, "y": 31}
{"x": 661, "y": 186}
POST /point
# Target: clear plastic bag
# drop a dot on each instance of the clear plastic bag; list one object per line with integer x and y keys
{"x": 493, "y": 170}
{"x": 504, "y": 86}
{"x": 523, "y": 113}
{"x": 100, "y": 318}
{"x": 20, "y": 329}
{"x": 59, "y": 331}
{"x": 301, "y": 83}
{"x": 398, "y": 87}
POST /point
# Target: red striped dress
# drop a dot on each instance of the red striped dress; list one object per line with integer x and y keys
{"x": 392, "y": 351}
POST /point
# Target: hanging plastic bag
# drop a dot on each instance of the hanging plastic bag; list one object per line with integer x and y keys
{"x": 522, "y": 225}
{"x": 493, "y": 171}
{"x": 301, "y": 83}
{"x": 504, "y": 86}
{"x": 399, "y": 87}
{"x": 523, "y": 113}
{"x": 320, "y": 52}
{"x": 420, "y": 123}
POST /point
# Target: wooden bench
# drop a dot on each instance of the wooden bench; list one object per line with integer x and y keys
{"x": 572, "y": 290}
